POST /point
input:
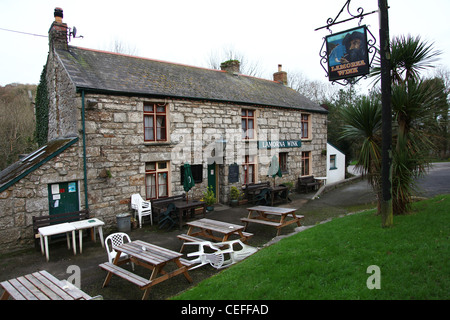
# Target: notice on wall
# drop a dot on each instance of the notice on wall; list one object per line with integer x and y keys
{"x": 55, "y": 188}
{"x": 72, "y": 187}
{"x": 233, "y": 173}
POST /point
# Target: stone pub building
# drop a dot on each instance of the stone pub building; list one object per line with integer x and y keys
{"x": 119, "y": 125}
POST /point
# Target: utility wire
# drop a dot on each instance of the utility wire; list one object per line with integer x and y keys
{"x": 30, "y": 34}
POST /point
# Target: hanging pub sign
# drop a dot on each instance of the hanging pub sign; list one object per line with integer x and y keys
{"x": 347, "y": 54}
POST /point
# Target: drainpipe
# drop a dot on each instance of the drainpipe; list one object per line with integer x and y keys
{"x": 84, "y": 152}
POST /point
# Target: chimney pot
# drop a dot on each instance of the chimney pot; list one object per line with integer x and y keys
{"x": 58, "y": 31}
{"x": 58, "y": 14}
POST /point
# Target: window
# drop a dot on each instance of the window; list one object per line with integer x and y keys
{"x": 155, "y": 122}
{"x": 305, "y": 126}
{"x": 248, "y": 124}
{"x": 306, "y": 163}
{"x": 156, "y": 180}
{"x": 249, "y": 169}
{"x": 333, "y": 161}
{"x": 283, "y": 161}
{"x": 197, "y": 173}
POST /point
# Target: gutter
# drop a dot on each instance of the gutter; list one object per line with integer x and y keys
{"x": 86, "y": 204}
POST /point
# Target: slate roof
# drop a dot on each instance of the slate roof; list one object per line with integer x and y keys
{"x": 107, "y": 72}
{"x": 33, "y": 161}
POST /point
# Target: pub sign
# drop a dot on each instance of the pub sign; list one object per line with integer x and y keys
{"x": 347, "y": 54}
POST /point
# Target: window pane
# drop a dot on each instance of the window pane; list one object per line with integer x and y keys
{"x": 162, "y": 184}
{"x": 161, "y": 109}
{"x": 150, "y": 166}
{"x": 150, "y": 182}
{"x": 161, "y": 127}
{"x": 148, "y": 107}
{"x": 148, "y": 128}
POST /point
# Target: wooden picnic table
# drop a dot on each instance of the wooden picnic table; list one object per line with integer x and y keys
{"x": 41, "y": 285}
{"x": 259, "y": 214}
{"x": 184, "y": 207}
{"x": 279, "y": 191}
{"x": 208, "y": 228}
{"x": 149, "y": 256}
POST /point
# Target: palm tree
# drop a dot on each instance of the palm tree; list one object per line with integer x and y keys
{"x": 412, "y": 100}
{"x": 363, "y": 126}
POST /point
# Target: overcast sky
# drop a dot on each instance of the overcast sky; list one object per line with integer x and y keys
{"x": 188, "y": 31}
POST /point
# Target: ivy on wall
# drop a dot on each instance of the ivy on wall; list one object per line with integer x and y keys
{"x": 42, "y": 105}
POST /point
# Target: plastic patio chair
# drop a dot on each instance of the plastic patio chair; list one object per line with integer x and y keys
{"x": 114, "y": 240}
{"x": 263, "y": 196}
{"x": 142, "y": 207}
{"x": 222, "y": 249}
{"x": 165, "y": 217}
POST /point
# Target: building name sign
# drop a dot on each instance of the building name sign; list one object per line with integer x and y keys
{"x": 279, "y": 144}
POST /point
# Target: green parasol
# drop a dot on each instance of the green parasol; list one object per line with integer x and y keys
{"x": 188, "y": 181}
{"x": 274, "y": 169}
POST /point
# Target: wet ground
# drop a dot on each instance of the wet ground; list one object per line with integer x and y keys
{"x": 351, "y": 196}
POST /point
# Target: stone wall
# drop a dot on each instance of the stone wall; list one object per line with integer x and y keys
{"x": 29, "y": 197}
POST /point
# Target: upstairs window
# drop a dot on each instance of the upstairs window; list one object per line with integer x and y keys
{"x": 248, "y": 124}
{"x": 305, "y": 126}
{"x": 155, "y": 122}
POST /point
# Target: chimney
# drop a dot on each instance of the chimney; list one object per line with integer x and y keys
{"x": 57, "y": 35}
{"x": 231, "y": 66}
{"x": 280, "y": 76}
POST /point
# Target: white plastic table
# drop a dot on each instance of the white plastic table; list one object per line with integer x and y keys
{"x": 87, "y": 224}
{"x": 45, "y": 232}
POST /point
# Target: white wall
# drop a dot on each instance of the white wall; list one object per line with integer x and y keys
{"x": 338, "y": 172}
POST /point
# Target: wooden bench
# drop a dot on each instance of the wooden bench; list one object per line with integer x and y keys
{"x": 251, "y": 190}
{"x": 141, "y": 282}
{"x": 307, "y": 183}
{"x": 47, "y": 220}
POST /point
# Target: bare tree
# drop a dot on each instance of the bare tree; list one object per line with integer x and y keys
{"x": 314, "y": 90}
{"x": 119, "y": 46}
{"x": 247, "y": 67}
{"x": 16, "y": 122}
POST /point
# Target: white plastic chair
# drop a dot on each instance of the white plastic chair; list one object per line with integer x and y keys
{"x": 114, "y": 240}
{"x": 217, "y": 258}
{"x": 142, "y": 207}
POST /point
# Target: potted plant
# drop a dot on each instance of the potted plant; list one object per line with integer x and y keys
{"x": 209, "y": 198}
{"x": 235, "y": 194}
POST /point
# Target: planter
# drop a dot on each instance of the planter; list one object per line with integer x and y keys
{"x": 209, "y": 208}
{"x": 234, "y": 202}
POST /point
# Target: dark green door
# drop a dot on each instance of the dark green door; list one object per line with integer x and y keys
{"x": 212, "y": 178}
{"x": 63, "y": 197}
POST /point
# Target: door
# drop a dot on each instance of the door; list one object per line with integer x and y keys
{"x": 63, "y": 197}
{"x": 212, "y": 178}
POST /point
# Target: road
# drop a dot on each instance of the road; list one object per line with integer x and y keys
{"x": 436, "y": 181}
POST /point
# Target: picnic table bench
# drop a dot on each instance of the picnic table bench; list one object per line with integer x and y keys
{"x": 259, "y": 214}
{"x": 149, "y": 256}
{"x": 307, "y": 183}
{"x": 251, "y": 190}
{"x": 41, "y": 285}
{"x": 207, "y": 227}
{"x": 181, "y": 204}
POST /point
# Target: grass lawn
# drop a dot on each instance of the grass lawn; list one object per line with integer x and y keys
{"x": 331, "y": 260}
